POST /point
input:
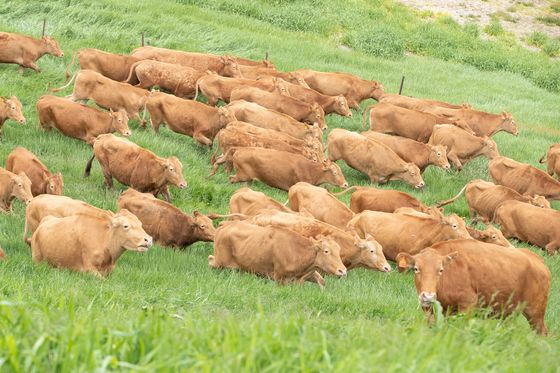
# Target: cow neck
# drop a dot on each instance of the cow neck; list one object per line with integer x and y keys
{"x": 115, "y": 248}
{"x": 41, "y": 47}
{"x": 3, "y": 112}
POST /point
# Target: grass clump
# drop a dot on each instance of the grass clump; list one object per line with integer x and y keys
{"x": 494, "y": 28}
{"x": 550, "y": 20}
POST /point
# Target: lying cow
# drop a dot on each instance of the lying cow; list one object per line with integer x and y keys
{"x": 376, "y": 160}
{"x": 461, "y": 146}
{"x": 465, "y": 274}
{"x": 384, "y": 200}
{"x": 113, "y": 66}
{"x": 88, "y": 243}
{"x": 250, "y": 202}
{"x": 330, "y": 104}
{"x": 413, "y": 151}
{"x": 490, "y": 235}
{"x": 13, "y": 186}
{"x": 523, "y": 178}
{"x": 42, "y": 181}
{"x": 528, "y": 223}
{"x": 80, "y": 121}
{"x": 552, "y": 160}
{"x": 10, "y": 108}
{"x": 168, "y": 225}
{"x": 136, "y": 167}
{"x": 277, "y": 253}
{"x": 25, "y": 51}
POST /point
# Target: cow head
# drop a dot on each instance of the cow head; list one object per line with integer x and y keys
{"x": 342, "y": 106}
{"x": 371, "y": 253}
{"x": 540, "y": 201}
{"x": 334, "y": 174}
{"x": 316, "y": 115}
{"x": 21, "y": 188}
{"x": 128, "y": 233}
{"x": 314, "y": 147}
{"x": 296, "y": 78}
{"x": 52, "y": 46}
{"x": 55, "y": 184}
{"x": 119, "y": 122}
{"x": 230, "y": 67}
{"x": 226, "y": 115}
{"x": 316, "y": 131}
{"x": 12, "y": 109}
{"x": 202, "y": 227}
{"x": 280, "y": 86}
{"x": 174, "y": 172}
{"x": 453, "y": 227}
{"x": 411, "y": 175}
{"x": 438, "y": 156}
{"x": 376, "y": 90}
{"x": 428, "y": 267}
{"x": 328, "y": 256}
{"x": 490, "y": 235}
{"x": 508, "y": 124}
{"x": 490, "y": 149}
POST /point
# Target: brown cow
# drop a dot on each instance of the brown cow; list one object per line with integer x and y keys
{"x": 113, "y": 66}
{"x": 353, "y": 88}
{"x": 280, "y": 254}
{"x": 223, "y": 65}
{"x": 187, "y": 117}
{"x": 25, "y": 51}
{"x": 412, "y": 124}
{"x": 528, "y": 223}
{"x": 484, "y": 197}
{"x": 177, "y": 79}
{"x": 282, "y": 169}
{"x": 413, "y": 151}
{"x": 330, "y": 104}
{"x": 80, "y": 121}
{"x": 10, "y": 108}
{"x": 376, "y": 160}
{"x": 13, "y": 186}
{"x": 384, "y": 200}
{"x": 168, "y": 225}
{"x": 552, "y": 160}
{"x": 414, "y": 103}
{"x": 88, "y": 243}
{"x": 299, "y": 110}
{"x": 406, "y": 232}
{"x": 523, "y": 178}
{"x": 42, "y": 181}
{"x": 466, "y": 274}
{"x": 250, "y": 202}
{"x": 490, "y": 235}
{"x": 462, "y": 146}
{"x": 136, "y": 167}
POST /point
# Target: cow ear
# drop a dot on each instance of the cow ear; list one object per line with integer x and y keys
{"x": 196, "y": 213}
{"x": 369, "y": 237}
{"x": 449, "y": 258}
{"x": 404, "y": 261}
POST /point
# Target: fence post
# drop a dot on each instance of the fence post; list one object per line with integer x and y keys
{"x": 402, "y": 83}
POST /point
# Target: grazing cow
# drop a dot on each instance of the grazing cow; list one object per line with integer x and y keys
{"x": 223, "y": 65}
{"x": 484, "y": 197}
{"x": 80, "y": 121}
{"x": 277, "y": 253}
{"x": 528, "y": 223}
{"x": 191, "y": 118}
{"x": 319, "y": 203}
{"x": 376, "y": 160}
{"x": 414, "y": 103}
{"x": 88, "y": 243}
{"x": 407, "y": 232}
{"x": 281, "y": 169}
{"x": 250, "y": 202}
{"x": 465, "y": 274}
{"x": 490, "y": 235}
{"x": 25, "y": 51}
{"x": 353, "y": 88}
{"x": 462, "y": 146}
{"x": 384, "y": 200}
{"x": 113, "y": 66}
{"x": 413, "y": 151}
{"x": 42, "y": 181}
{"x": 523, "y": 178}
{"x": 299, "y": 110}
{"x": 552, "y": 160}
{"x": 168, "y": 225}
{"x": 412, "y": 124}
{"x": 107, "y": 93}
{"x": 13, "y": 186}
{"x": 330, "y": 104}
{"x": 136, "y": 167}
{"x": 57, "y": 206}
{"x": 265, "y": 118}
{"x": 10, "y": 108}
{"x": 177, "y": 79}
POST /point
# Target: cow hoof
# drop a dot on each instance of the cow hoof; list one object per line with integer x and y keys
{"x": 212, "y": 261}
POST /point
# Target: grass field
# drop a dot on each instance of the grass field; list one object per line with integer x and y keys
{"x": 165, "y": 310}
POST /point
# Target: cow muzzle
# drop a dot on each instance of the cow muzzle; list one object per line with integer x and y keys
{"x": 345, "y": 185}
{"x": 182, "y": 185}
{"x": 420, "y": 185}
{"x": 146, "y": 244}
{"x": 349, "y": 115}
{"x": 386, "y": 268}
{"x": 341, "y": 272}
{"x": 427, "y": 298}
{"x": 127, "y": 133}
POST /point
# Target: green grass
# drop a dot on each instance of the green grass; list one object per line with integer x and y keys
{"x": 165, "y": 310}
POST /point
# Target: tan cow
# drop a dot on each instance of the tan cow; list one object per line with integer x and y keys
{"x": 113, "y": 66}
{"x": 10, "y": 108}
{"x": 223, "y": 65}
{"x": 384, "y": 200}
{"x": 25, "y": 51}
{"x": 168, "y": 225}
{"x": 462, "y": 147}
{"x": 250, "y": 202}
{"x": 413, "y": 151}
{"x": 484, "y": 197}
{"x": 299, "y": 110}
{"x": 552, "y": 160}
{"x": 528, "y": 223}
{"x": 373, "y": 158}
{"x": 257, "y": 72}
{"x": 42, "y": 181}
{"x": 80, "y": 121}
{"x": 13, "y": 186}
{"x": 187, "y": 117}
{"x": 466, "y": 274}
{"x": 277, "y": 253}
{"x": 405, "y": 232}
{"x": 330, "y": 104}
{"x": 523, "y": 178}
{"x": 135, "y": 166}
{"x": 413, "y": 103}
{"x": 491, "y": 235}
{"x": 88, "y": 243}
{"x": 248, "y": 62}
{"x": 353, "y": 88}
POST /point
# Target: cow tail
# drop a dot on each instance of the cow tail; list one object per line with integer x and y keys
{"x": 66, "y": 85}
{"x": 355, "y": 187}
{"x": 131, "y": 72}
{"x": 67, "y": 72}
{"x": 447, "y": 202}
{"x": 87, "y": 171}
{"x": 543, "y": 159}
{"x": 364, "y": 115}
{"x": 25, "y": 230}
{"x": 196, "y": 87}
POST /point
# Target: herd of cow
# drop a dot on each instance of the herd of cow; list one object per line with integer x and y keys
{"x": 271, "y": 129}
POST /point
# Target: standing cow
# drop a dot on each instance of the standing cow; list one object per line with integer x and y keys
{"x": 42, "y": 181}
{"x": 25, "y": 51}
{"x": 113, "y": 66}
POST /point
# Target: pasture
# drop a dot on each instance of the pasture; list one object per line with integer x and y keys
{"x": 165, "y": 310}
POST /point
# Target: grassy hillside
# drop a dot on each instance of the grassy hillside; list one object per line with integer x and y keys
{"x": 165, "y": 310}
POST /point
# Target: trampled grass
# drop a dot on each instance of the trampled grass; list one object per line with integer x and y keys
{"x": 165, "y": 310}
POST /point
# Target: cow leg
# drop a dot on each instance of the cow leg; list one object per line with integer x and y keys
{"x": 108, "y": 179}
{"x": 212, "y": 261}
{"x": 165, "y": 193}
{"x": 202, "y": 139}
{"x": 375, "y": 179}
{"x": 314, "y": 277}
{"x": 36, "y": 254}
{"x": 455, "y": 160}
{"x": 136, "y": 116}
{"x": 552, "y": 248}
{"x": 239, "y": 177}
